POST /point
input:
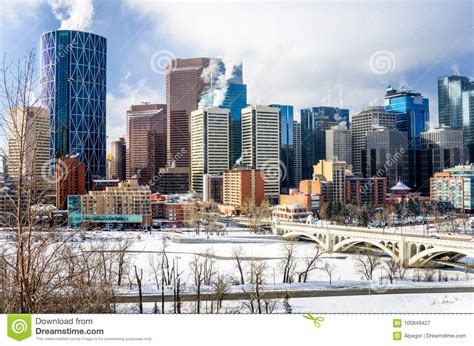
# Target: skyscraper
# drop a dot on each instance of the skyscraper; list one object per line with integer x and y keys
{"x": 450, "y": 89}
{"x": 387, "y": 151}
{"x": 286, "y": 147}
{"x": 184, "y": 87}
{"x": 119, "y": 159}
{"x": 468, "y": 123}
{"x": 226, "y": 90}
{"x": 260, "y": 145}
{"x": 28, "y": 140}
{"x": 146, "y": 138}
{"x": 314, "y": 123}
{"x": 73, "y": 81}
{"x": 209, "y": 144}
{"x": 297, "y": 153}
{"x": 369, "y": 119}
{"x": 412, "y": 111}
{"x": 455, "y": 107}
{"x": 339, "y": 144}
{"x": 440, "y": 148}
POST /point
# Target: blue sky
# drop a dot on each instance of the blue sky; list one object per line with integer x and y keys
{"x": 340, "y": 53}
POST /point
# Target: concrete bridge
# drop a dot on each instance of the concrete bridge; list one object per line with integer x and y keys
{"x": 410, "y": 249}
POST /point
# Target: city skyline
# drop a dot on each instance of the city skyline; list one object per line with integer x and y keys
{"x": 276, "y": 72}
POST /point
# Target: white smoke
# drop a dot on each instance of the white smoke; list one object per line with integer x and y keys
{"x": 455, "y": 69}
{"x": 73, "y": 14}
{"x": 218, "y": 81}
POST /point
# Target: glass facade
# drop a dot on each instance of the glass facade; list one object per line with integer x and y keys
{"x": 455, "y": 98}
{"x": 286, "y": 147}
{"x": 73, "y": 81}
{"x": 235, "y": 99}
{"x": 412, "y": 115}
{"x": 314, "y": 123}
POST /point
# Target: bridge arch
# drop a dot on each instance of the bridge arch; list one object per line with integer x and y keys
{"x": 428, "y": 254}
{"x": 353, "y": 241}
{"x": 297, "y": 234}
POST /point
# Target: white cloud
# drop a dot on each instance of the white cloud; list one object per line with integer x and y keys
{"x": 73, "y": 14}
{"x": 312, "y": 53}
{"x": 118, "y": 104}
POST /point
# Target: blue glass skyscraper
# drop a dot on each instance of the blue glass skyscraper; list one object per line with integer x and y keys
{"x": 73, "y": 82}
{"x": 314, "y": 123}
{"x": 286, "y": 147}
{"x": 230, "y": 94}
{"x": 412, "y": 115}
{"x": 455, "y": 107}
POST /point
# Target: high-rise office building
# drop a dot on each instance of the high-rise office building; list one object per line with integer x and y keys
{"x": 73, "y": 81}
{"x": 146, "y": 139}
{"x": 184, "y": 87}
{"x": 369, "y": 119}
{"x": 450, "y": 89}
{"x": 297, "y": 153}
{"x": 28, "y": 141}
{"x": 456, "y": 109}
{"x": 210, "y": 144}
{"x": 339, "y": 144}
{"x": 412, "y": 111}
{"x": 119, "y": 159}
{"x": 286, "y": 147}
{"x": 440, "y": 148}
{"x": 335, "y": 173}
{"x": 227, "y": 90}
{"x": 314, "y": 123}
{"x": 468, "y": 123}
{"x": 387, "y": 155}
{"x": 260, "y": 145}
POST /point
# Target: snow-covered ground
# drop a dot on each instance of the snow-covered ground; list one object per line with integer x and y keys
{"x": 185, "y": 247}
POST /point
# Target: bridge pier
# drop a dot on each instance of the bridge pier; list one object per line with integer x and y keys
{"x": 404, "y": 252}
{"x": 329, "y": 241}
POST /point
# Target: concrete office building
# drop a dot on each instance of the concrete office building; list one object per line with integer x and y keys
{"x": 440, "y": 148}
{"x": 28, "y": 131}
{"x": 297, "y": 166}
{"x": 146, "y": 138}
{"x": 210, "y": 144}
{"x": 371, "y": 118}
{"x": 184, "y": 87}
{"x": 387, "y": 157}
{"x": 260, "y": 145}
{"x": 335, "y": 173}
{"x": 339, "y": 144}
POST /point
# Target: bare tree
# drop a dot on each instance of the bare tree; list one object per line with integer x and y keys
{"x": 42, "y": 269}
{"x": 288, "y": 263}
{"x": 197, "y": 270}
{"x": 311, "y": 264}
{"x": 238, "y": 253}
{"x": 366, "y": 262}
{"x": 329, "y": 269}
{"x": 139, "y": 284}
{"x": 392, "y": 267}
{"x": 221, "y": 287}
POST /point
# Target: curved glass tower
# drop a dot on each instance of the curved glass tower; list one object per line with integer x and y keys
{"x": 73, "y": 81}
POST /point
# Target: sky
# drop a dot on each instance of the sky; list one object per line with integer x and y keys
{"x": 304, "y": 53}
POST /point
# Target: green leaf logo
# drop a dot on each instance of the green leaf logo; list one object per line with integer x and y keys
{"x": 19, "y": 326}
